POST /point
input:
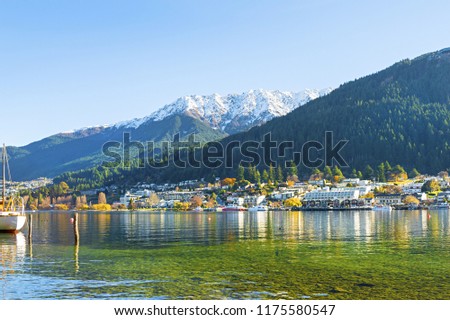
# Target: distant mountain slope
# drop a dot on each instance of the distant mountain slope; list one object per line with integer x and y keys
{"x": 400, "y": 114}
{"x": 234, "y": 112}
{"x": 209, "y": 117}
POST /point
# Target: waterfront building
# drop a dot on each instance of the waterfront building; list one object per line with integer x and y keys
{"x": 388, "y": 199}
{"x": 254, "y": 200}
{"x": 326, "y": 194}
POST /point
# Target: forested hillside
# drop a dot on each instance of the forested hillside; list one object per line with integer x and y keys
{"x": 400, "y": 115}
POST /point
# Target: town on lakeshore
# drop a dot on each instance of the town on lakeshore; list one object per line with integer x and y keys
{"x": 322, "y": 191}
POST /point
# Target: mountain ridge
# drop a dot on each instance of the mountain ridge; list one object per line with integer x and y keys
{"x": 399, "y": 115}
{"x": 81, "y": 149}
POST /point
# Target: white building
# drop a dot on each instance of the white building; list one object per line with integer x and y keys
{"x": 412, "y": 188}
{"x": 443, "y": 196}
{"x": 127, "y": 197}
{"x": 235, "y": 200}
{"x": 177, "y": 195}
{"x": 254, "y": 200}
{"x": 388, "y": 199}
{"x": 351, "y": 180}
{"x": 283, "y": 195}
{"x": 143, "y": 193}
{"x": 326, "y": 194}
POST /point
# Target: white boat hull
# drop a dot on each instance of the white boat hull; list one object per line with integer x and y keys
{"x": 258, "y": 209}
{"x": 234, "y": 209}
{"x": 10, "y": 222}
{"x": 382, "y": 208}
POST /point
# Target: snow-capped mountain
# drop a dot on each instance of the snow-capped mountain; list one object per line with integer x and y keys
{"x": 210, "y": 118}
{"x": 234, "y": 112}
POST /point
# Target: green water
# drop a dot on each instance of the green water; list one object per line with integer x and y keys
{"x": 276, "y": 255}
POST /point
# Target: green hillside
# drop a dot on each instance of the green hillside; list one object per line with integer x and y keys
{"x": 400, "y": 115}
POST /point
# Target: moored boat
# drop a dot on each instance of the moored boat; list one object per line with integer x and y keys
{"x": 12, "y": 214}
{"x": 380, "y": 207}
{"x": 259, "y": 208}
{"x": 233, "y": 208}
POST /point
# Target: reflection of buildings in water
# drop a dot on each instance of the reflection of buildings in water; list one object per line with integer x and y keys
{"x": 364, "y": 226}
{"x": 370, "y": 226}
{"x": 256, "y": 225}
{"x": 301, "y": 223}
{"x": 357, "y": 225}
{"x": 328, "y": 233}
{"x": 445, "y": 222}
{"x": 434, "y": 223}
{"x": 424, "y": 221}
{"x": 241, "y": 224}
{"x": 282, "y": 227}
{"x": 328, "y": 225}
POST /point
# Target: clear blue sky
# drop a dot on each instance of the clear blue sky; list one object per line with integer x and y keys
{"x": 70, "y": 64}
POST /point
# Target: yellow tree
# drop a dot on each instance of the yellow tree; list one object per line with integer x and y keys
{"x": 64, "y": 187}
{"x": 411, "y": 200}
{"x": 228, "y": 182}
{"x": 196, "y": 201}
{"x": 292, "y": 202}
{"x": 181, "y": 206}
{"x": 153, "y": 199}
{"x": 101, "y": 198}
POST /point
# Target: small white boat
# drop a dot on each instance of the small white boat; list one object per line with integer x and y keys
{"x": 259, "y": 208}
{"x": 198, "y": 209}
{"x": 12, "y": 210}
{"x": 380, "y": 207}
{"x": 233, "y": 208}
{"x": 11, "y": 221}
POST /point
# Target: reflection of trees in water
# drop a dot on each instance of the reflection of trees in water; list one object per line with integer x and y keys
{"x": 136, "y": 229}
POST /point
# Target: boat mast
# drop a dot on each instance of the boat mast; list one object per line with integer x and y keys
{"x": 4, "y": 177}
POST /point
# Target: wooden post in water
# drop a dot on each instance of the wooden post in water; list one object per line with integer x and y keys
{"x": 77, "y": 241}
{"x": 75, "y": 228}
{"x": 30, "y": 234}
{"x": 30, "y": 227}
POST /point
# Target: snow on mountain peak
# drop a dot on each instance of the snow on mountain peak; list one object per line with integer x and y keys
{"x": 233, "y": 112}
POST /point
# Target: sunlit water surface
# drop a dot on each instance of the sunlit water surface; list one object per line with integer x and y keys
{"x": 275, "y": 255}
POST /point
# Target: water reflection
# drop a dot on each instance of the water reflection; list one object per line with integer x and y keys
{"x": 74, "y": 255}
{"x": 169, "y": 228}
{"x": 12, "y": 255}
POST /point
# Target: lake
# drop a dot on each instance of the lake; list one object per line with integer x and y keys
{"x": 275, "y": 255}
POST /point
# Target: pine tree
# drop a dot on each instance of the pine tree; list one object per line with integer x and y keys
{"x": 381, "y": 173}
{"x": 271, "y": 173}
{"x": 240, "y": 173}
{"x": 292, "y": 169}
{"x": 251, "y": 174}
{"x": 280, "y": 176}
{"x": 337, "y": 174}
{"x": 369, "y": 172}
{"x": 327, "y": 173}
{"x": 265, "y": 176}
{"x": 257, "y": 177}
{"x": 387, "y": 166}
{"x": 359, "y": 175}
{"x": 414, "y": 173}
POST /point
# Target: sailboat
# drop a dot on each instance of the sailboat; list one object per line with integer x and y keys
{"x": 12, "y": 214}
